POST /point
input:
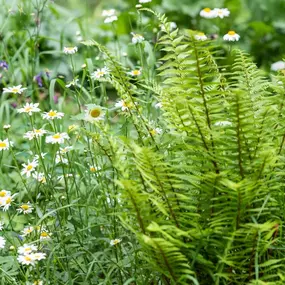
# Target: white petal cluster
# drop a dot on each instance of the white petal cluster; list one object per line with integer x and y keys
{"x": 57, "y": 138}
{"x": 70, "y": 50}
{"x": 231, "y": 36}
{"x": 29, "y": 108}
{"x": 214, "y": 13}
{"x": 15, "y": 89}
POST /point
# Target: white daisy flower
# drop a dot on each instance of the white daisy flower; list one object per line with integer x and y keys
{"x": 135, "y": 72}
{"x": 53, "y": 114}
{"x": 40, "y": 177}
{"x": 25, "y": 208}
{"x": 200, "y": 37}
{"x": 92, "y": 168}
{"x": 27, "y": 249}
{"x": 137, "y": 38}
{"x": 94, "y": 114}
{"x": 2, "y": 242}
{"x": 99, "y": 73}
{"x": 231, "y": 36}
{"x": 29, "y": 135}
{"x": 70, "y": 50}
{"x": 279, "y": 65}
{"x": 29, "y": 168}
{"x": 27, "y": 230}
{"x": 108, "y": 13}
{"x": 45, "y": 235}
{"x": 72, "y": 83}
{"x": 57, "y": 138}
{"x": 208, "y": 13}
{"x": 158, "y": 105}
{"x": 144, "y": 1}
{"x": 15, "y": 89}
{"x": 29, "y": 108}
{"x": 38, "y": 255}
{"x": 5, "y": 144}
{"x": 115, "y": 241}
{"x": 27, "y": 259}
{"x": 123, "y": 105}
{"x": 110, "y": 19}
{"x": 64, "y": 150}
{"x": 60, "y": 159}
{"x": 221, "y": 13}
{"x": 4, "y": 193}
{"x": 156, "y": 131}
{"x": 6, "y": 202}
{"x": 39, "y": 132}
{"x": 1, "y": 226}
{"x": 6, "y": 127}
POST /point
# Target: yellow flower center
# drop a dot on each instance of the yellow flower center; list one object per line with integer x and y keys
{"x": 38, "y": 131}
{"x": 92, "y": 169}
{"x": 153, "y": 132}
{"x": 3, "y": 194}
{"x": 29, "y": 167}
{"x": 57, "y": 136}
{"x": 27, "y": 258}
{"x": 116, "y": 241}
{"x": 25, "y": 207}
{"x": 95, "y": 113}
{"x": 207, "y": 10}
{"x": 43, "y": 180}
{"x": 44, "y": 234}
{"x": 27, "y": 249}
{"x": 52, "y": 113}
{"x": 29, "y": 230}
{"x": 15, "y": 90}
{"x": 3, "y": 144}
{"x": 69, "y": 48}
{"x": 28, "y": 109}
{"x": 231, "y": 33}
{"x": 101, "y": 73}
{"x": 136, "y": 72}
{"x": 8, "y": 201}
{"x": 201, "y": 34}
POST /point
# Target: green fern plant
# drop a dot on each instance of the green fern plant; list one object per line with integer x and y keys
{"x": 206, "y": 201}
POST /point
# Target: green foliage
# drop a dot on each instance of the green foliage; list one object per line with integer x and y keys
{"x": 189, "y": 193}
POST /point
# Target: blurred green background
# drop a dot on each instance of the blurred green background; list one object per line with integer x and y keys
{"x": 260, "y": 23}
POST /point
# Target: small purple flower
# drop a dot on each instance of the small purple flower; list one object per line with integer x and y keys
{"x": 55, "y": 99}
{"x": 4, "y": 64}
{"x": 38, "y": 79}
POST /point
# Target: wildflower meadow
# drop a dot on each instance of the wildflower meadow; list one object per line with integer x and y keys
{"x": 142, "y": 142}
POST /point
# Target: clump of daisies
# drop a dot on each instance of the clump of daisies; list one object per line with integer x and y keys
{"x": 28, "y": 254}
